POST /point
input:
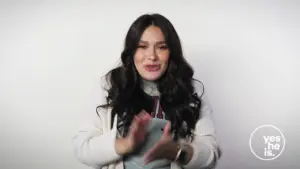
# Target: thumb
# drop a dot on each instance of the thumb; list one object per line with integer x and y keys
{"x": 167, "y": 129}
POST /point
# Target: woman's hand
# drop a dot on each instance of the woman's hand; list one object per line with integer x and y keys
{"x": 135, "y": 136}
{"x": 166, "y": 148}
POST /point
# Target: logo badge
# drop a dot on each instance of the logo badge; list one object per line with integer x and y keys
{"x": 267, "y": 142}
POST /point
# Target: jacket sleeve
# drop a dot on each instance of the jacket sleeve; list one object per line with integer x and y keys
{"x": 206, "y": 149}
{"x": 93, "y": 142}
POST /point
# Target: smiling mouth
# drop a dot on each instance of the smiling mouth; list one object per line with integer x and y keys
{"x": 152, "y": 68}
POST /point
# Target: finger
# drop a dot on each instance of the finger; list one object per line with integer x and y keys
{"x": 147, "y": 116}
{"x": 148, "y": 157}
{"x": 145, "y": 120}
{"x": 140, "y": 115}
{"x": 141, "y": 129}
{"x": 134, "y": 124}
{"x": 152, "y": 153}
{"x": 139, "y": 132}
{"x": 167, "y": 128}
{"x": 141, "y": 122}
{"x": 138, "y": 120}
{"x": 143, "y": 113}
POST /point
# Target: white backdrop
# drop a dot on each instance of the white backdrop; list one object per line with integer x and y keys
{"x": 52, "y": 55}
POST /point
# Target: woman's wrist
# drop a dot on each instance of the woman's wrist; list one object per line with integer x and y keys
{"x": 122, "y": 146}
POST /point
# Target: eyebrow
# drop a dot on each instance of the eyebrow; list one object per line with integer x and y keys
{"x": 158, "y": 42}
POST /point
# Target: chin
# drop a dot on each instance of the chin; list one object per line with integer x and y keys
{"x": 151, "y": 77}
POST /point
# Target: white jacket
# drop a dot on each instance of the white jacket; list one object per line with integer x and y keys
{"x": 94, "y": 141}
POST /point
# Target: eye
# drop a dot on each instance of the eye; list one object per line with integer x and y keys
{"x": 142, "y": 46}
{"x": 163, "y": 47}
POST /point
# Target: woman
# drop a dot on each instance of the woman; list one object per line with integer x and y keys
{"x": 154, "y": 115}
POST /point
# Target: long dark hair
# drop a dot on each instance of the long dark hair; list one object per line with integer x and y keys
{"x": 178, "y": 99}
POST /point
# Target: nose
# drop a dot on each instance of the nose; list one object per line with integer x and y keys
{"x": 151, "y": 54}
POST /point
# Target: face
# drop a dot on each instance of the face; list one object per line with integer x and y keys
{"x": 152, "y": 55}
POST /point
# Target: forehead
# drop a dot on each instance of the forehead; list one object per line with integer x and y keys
{"x": 152, "y": 34}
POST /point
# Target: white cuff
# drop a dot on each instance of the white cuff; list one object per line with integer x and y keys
{"x": 202, "y": 156}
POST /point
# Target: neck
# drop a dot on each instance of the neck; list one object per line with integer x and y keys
{"x": 149, "y": 87}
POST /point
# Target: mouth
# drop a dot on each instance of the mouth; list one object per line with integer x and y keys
{"x": 152, "y": 67}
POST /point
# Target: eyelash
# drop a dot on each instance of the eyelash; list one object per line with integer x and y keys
{"x": 164, "y": 47}
{"x": 142, "y": 46}
{"x": 161, "y": 47}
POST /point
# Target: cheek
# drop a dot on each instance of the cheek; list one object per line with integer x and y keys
{"x": 138, "y": 59}
{"x": 164, "y": 58}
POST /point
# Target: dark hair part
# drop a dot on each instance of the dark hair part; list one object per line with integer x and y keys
{"x": 177, "y": 97}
